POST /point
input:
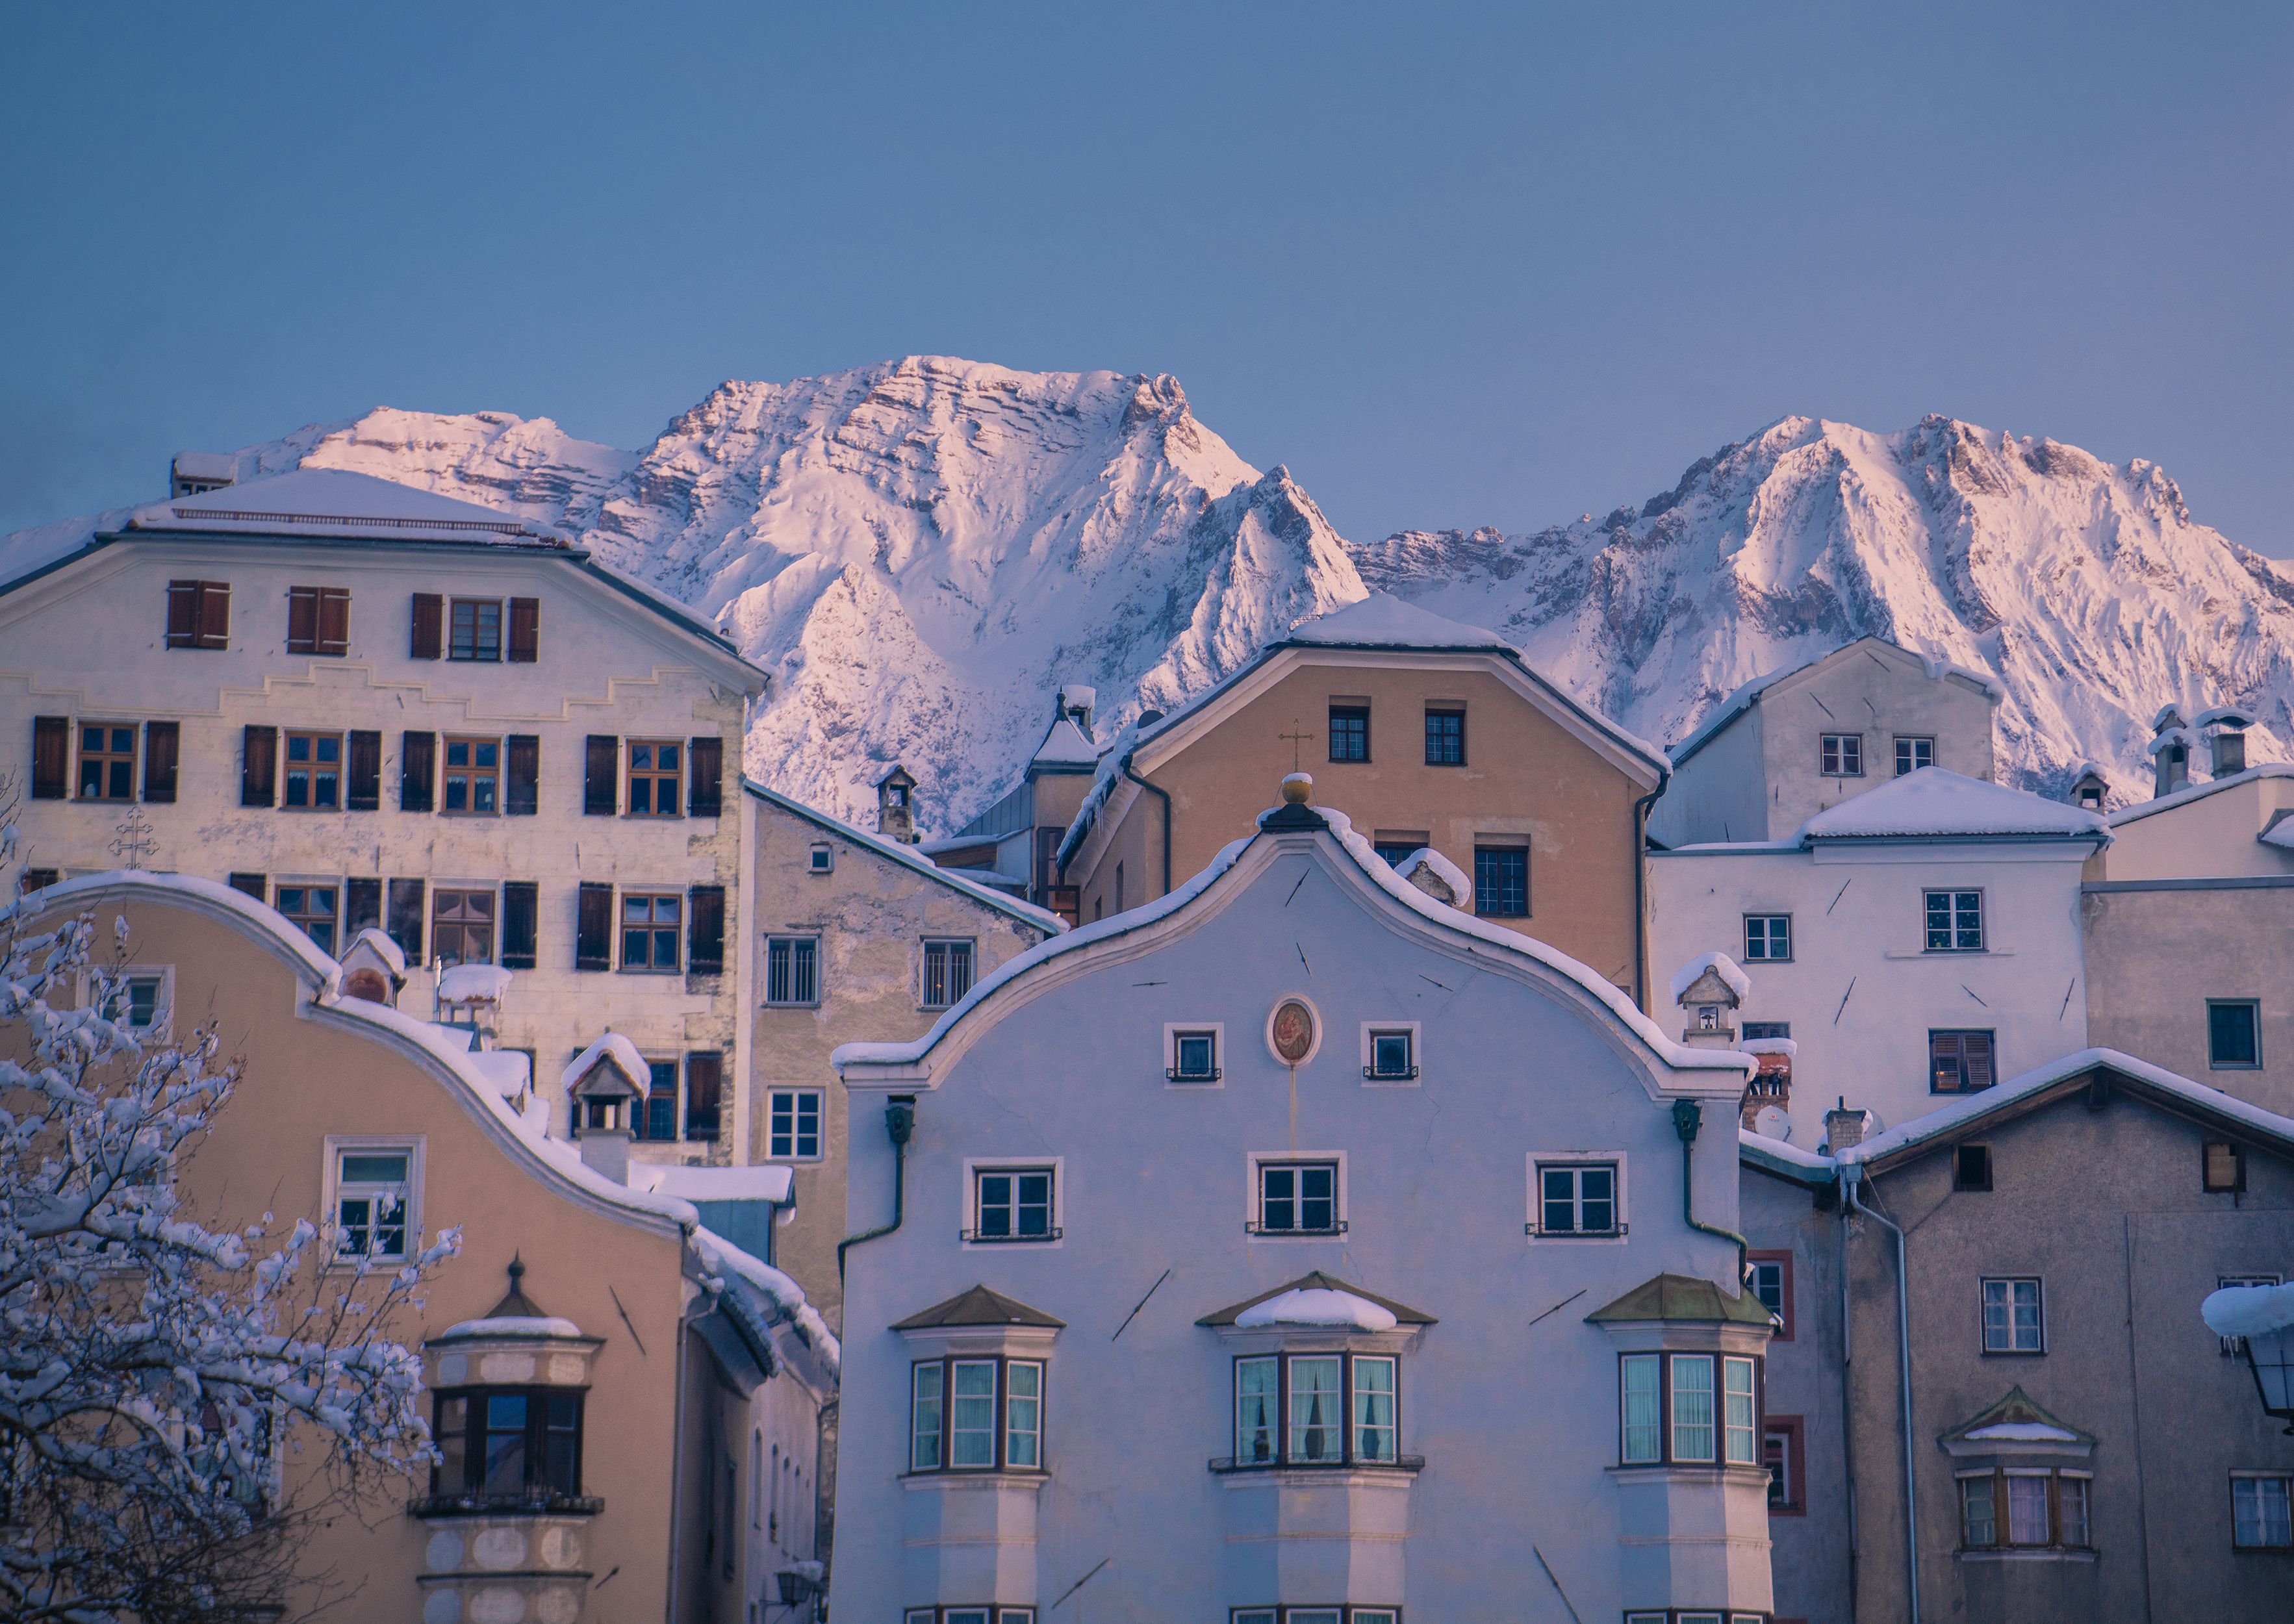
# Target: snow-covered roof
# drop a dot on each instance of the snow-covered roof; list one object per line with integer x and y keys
{"x": 2172, "y": 738}
{"x": 1434, "y": 863}
{"x": 511, "y": 1325}
{"x": 1064, "y": 745}
{"x": 1341, "y": 830}
{"x": 2234, "y": 716}
{"x": 473, "y": 984}
{"x": 2200, "y": 792}
{"x": 912, "y": 858}
{"x": 1779, "y": 1156}
{"x": 2280, "y": 834}
{"x": 2249, "y": 1311}
{"x": 1383, "y": 620}
{"x": 1769, "y": 1045}
{"x": 770, "y": 1183}
{"x": 1746, "y": 696}
{"x": 286, "y": 937}
{"x": 1936, "y": 803}
{"x": 2024, "y": 1432}
{"x": 334, "y": 502}
{"x": 624, "y": 1054}
{"x": 1722, "y": 965}
{"x": 377, "y": 941}
{"x": 509, "y": 1070}
{"x": 1318, "y": 1306}
{"x": 721, "y": 1256}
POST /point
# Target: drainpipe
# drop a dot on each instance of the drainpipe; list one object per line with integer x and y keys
{"x": 1848, "y": 1411}
{"x": 1641, "y": 892}
{"x": 1164, "y": 796}
{"x": 1851, "y": 1176}
{"x": 901, "y": 1124}
{"x": 1688, "y": 1117}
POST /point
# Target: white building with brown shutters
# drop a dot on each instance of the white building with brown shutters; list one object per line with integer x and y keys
{"x": 369, "y": 706}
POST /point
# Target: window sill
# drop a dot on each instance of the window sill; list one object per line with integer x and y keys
{"x": 652, "y": 817}
{"x": 814, "y": 1005}
{"x": 1535, "y": 1233}
{"x": 1192, "y": 1079}
{"x": 2025, "y": 1553}
{"x": 1400, "y": 1465}
{"x": 1260, "y": 1232}
{"x": 972, "y": 1238}
{"x": 1018, "y": 1477}
{"x": 436, "y": 1505}
{"x": 628, "y": 970}
{"x": 2014, "y": 1353}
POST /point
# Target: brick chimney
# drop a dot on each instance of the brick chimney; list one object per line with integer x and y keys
{"x": 1844, "y": 1129}
{"x": 2224, "y": 728}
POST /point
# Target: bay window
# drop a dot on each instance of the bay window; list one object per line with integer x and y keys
{"x": 1671, "y": 1413}
{"x": 2027, "y": 1507}
{"x": 1316, "y": 1409}
{"x": 982, "y": 1414}
{"x": 507, "y": 1446}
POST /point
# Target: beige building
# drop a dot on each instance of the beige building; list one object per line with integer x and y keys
{"x": 369, "y": 706}
{"x": 856, "y": 939}
{"x": 1014, "y": 845}
{"x": 1432, "y": 734}
{"x": 628, "y": 1407}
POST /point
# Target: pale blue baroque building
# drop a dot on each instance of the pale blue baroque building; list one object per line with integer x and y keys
{"x": 1298, "y": 1250}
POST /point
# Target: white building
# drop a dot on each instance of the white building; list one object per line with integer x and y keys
{"x": 1921, "y": 941}
{"x": 1297, "y": 1248}
{"x": 370, "y": 706}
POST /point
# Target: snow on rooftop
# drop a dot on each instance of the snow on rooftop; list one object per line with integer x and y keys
{"x": 2280, "y": 834}
{"x": 1317, "y": 1305}
{"x": 1722, "y": 965}
{"x": 624, "y": 1054}
{"x": 509, "y": 1070}
{"x": 2249, "y": 1311}
{"x": 767, "y": 1182}
{"x": 1383, "y": 620}
{"x": 1937, "y": 802}
{"x": 721, "y": 1256}
{"x": 1065, "y": 745}
{"x": 512, "y": 1325}
{"x": 2200, "y": 792}
{"x": 2225, "y": 716}
{"x": 1769, "y": 1045}
{"x": 1434, "y": 863}
{"x": 2024, "y": 1432}
{"x": 377, "y": 941}
{"x": 333, "y": 501}
{"x": 473, "y": 984}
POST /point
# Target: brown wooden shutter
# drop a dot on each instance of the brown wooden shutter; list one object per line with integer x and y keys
{"x": 50, "y": 757}
{"x": 601, "y": 767}
{"x": 215, "y": 615}
{"x": 334, "y": 621}
{"x": 182, "y": 614}
{"x": 525, "y": 630}
{"x": 162, "y": 748}
{"x": 1978, "y": 1049}
{"x": 254, "y": 885}
{"x": 363, "y": 775}
{"x": 707, "y": 798}
{"x": 522, "y": 791}
{"x": 301, "y": 620}
{"x": 521, "y": 923}
{"x": 362, "y": 907}
{"x": 429, "y": 622}
{"x": 704, "y": 1087}
{"x": 258, "y": 773}
{"x": 593, "y": 933}
{"x": 704, "y": 953}
{"x": 418, "y": 761}
{"x": 405, "y": 926}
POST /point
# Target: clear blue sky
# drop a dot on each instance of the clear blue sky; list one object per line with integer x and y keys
{"x": 1467, "y": 265}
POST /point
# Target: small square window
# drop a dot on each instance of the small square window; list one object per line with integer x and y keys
{"x": 1194, "y": 1058}
{"x": 795, "y": 1124}
{"x": 2013, "y": 1316}
{"x": 1767, "y": 937}
{"x": 2262, "y": 1512}
{"x": 477, "y": 629}
{"x": 1913, "y": 754}
{"x": 142, "y": 1001}
{"x": 373, "y": 1196}
{"x": 1445, "y": 738}
{"x": 823, "y": 858}
{"x": 1349, "y": 732}
{"x": 2233, "y": 1034}
{"x": 1843, "y": 755}
{"x": 948, "y": 973}
{"x": 1502, "y": 881}
{"x": 650, "y": 928}
{"x": 1971, "y": 1167}
{"x": 792, "y": 970}
{"x": 1012, "y": 1204}
{"x": 1954, "y": 921}
{"x": 2223, "y": 1165}
{"x": 1298, "y": 1199}
{"x": 1393, "y": 1057}
{"x": 657, "y": 777}
{"x": 1960, "y": 1063}
{"x": 462, "y": 927}
{"x": 1578, "y": 1198}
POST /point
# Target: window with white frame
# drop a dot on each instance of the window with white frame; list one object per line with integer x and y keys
{"x": 2262, "y": 1510}
{"x": 2014, "y": 1319}
{"x": 1194, "y": 1056}
{"x": 1767, "y": 937}
{"x": 1954, "y": 921}
{"x": 1297, "y": 1198}
{"x": 1671, "y": 1413}
{"x": 2031, "y": 1506}
{"x": 1578, "y": 1199}
{"x": 1692, "y": 1615}
{"x": 1316, "y": 1409}
{"x": 1014, "y": 1204}
{"x": 792, "y": 970}
{"x": 373, "y": 1203}
{"x": 948, "y": 973}
{"x": 793, "y": 1124}
{"x": 1912, "y": 753}
{"x": 1842, "y": 755}
{"x": 1314, "y": 1615}
{"x": 969, "y": 1615}
{"x": 983, "y": 1413}
{"x": 138, "y": 1000}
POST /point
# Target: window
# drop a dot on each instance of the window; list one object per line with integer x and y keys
{"x": 791, "y": 970}
{"x": 1445, "y": 738}
{"x": 2234, "y": 1025}
{"x": 373, "y": 1190}
{"x": 477, "y": 623}
{"x": 1959, "y": 1062}
{"x": 982, "y": 1414}
{"x": 969, "y": 1615}
{"x": 1393, "y": 1056}
{"x": 1194, "y": 1057}
{"x": 1349, "y": 732}
{"x": 498, "y": 1446}
{"x": 1670, "y": 1412}
{"x": 462, "y": 927}
{"x": 1772, "y": 1283}
{"x": 318, "y": 621}
{"x": 657, "y": 777}
{"x": 1767, "y": 937}
{"x": 1298, "y": 1199}
{"x": 649, "y": 933}
{"x": 2025, "y": 1506}
{"x": 1394, "y": 845}
{"x": 795, "y": 1124}
{"x": 1767, "y": 1028}
{"x": 199, "y": 614}
{"x": 824, "y": 859}
{"x": 2012, "y": 1318}
{"x": 1954, "y": 921}
{"x": 107, "y": 761}
{"x": 948, "y": 973}
{"x": 2259, "y": 1519}
{"x": 1781, "y": 1452}
{"x": 1318, "y": 1615}
{"x": 1971, "y": 1167}
{"x": 1913, "y": 754}
{"x": 315, "y": 771}
{"x": 2232, "y": 1346}
{"x": 1502, "y": 881}
{"x": 313, "y": 907}
{"x": 1577, "y": 1198}
{"x": 1843, "y": 755}
{"x": 472, "y": 776}
{"x": 1316, "y": 1409}
{"x": 142, "y": 994}
{"x": 657, "y": 1114}
{"x": 1012, "y": 1204}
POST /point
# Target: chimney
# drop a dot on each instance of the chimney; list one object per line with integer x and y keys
{"x": 2090, "y": 790}
{"x": 605, "y": 1152}
{"x": 2170, "y": 751}
{"x": 896, "y": 806}
{"x": 1076, "y": 701}
{"x": 1771, "y": 1084}
{"x": 1709, "y": 990}
{"x": 2224, "y": 727}
{"x": 1844, "y": 1129}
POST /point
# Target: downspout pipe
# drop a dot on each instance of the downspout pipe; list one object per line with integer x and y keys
{"x": 900, "y": 1125}
{"x": 1852, "y": 1178}
{"x": 1688, "y": 1119}
{"x": 1641, "y": 892}
{"x": 1164, "y": 796}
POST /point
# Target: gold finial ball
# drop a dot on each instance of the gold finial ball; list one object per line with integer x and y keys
{"x": 1298, "y": 789}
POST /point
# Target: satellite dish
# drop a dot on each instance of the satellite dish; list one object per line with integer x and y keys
{"x": 1774, "y": 1121}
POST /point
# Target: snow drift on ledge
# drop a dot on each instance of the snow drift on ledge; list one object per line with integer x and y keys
{"x": 921, "y": 551}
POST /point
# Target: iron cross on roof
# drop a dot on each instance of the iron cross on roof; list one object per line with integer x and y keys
{"x": 1297, "y": 738}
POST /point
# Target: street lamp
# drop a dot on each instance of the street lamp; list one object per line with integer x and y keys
{"x": 2262, "y": 1317}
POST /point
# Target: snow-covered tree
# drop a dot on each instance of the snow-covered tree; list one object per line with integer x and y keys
{"x": 176, "y": 1400}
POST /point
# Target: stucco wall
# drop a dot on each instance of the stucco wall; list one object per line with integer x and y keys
{"x": 1876, "y": 691}
{"x": 2209, "y": 835}
{"x": 1719, "y": 793}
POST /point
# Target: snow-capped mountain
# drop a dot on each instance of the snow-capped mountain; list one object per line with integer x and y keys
{"x": 2086, "y": 587}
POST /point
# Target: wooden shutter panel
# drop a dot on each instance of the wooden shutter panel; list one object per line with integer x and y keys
{"x": 593, "y": 933}
{"x": 405, "y": 926}
{"x": 522, "y": 791}
{"x": 334, "y": 621}
{"x": 182, "y": 614}
{"x": 50, "y": 757}
{"x": 521, "y": 923}
{"x": 362, "y": 773}
{"x": 704, "y": 953}
{"x": 215, "y": 615}
{"x": 525, "y": 630}
{"x": 258, "y": 773}
{"x": 429, "y": 622}
{"x": 707, "y": 798}
{"x": 704, "y": 1087}
{"x": 418, "y": 761}
{"x": 301, "y": 620}
{"x": 253, "y": 885}
{"x": 162, "y": 748}
{"x": 1978, "y": 1049}
{"x": 362, "y": 907}
{"x": 600, "y": 771}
